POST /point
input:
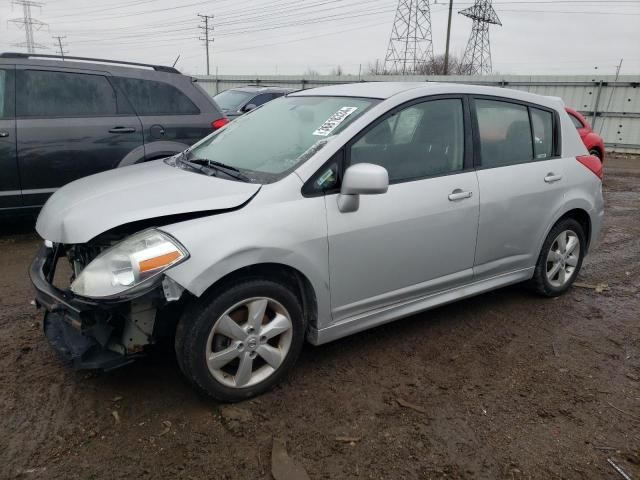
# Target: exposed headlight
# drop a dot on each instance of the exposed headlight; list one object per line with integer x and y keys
{"x": 131, "y": 264}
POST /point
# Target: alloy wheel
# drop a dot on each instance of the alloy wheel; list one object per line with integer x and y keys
{"x": 249, "y": 342}
{"x": 563, "y": 258}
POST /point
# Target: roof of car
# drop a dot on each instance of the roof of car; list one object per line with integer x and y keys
{"x": 262, "y": 88}
{"x": 385, "y": 90}
{"x": 364, "y": 89}
{"x": 83, "y": 62}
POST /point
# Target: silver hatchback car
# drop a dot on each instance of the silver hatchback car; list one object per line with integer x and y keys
{"x": 317, "y": 215}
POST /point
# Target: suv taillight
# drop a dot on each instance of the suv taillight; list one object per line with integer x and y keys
{"x": 593, "y": 163}
{"x": 221, "y": 122}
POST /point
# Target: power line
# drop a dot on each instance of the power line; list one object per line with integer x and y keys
{"x": 335, "y": 18}
{"x": 60, "y": 45}
{"x": 28, "y": 23}
{"x": 206, "y": 27}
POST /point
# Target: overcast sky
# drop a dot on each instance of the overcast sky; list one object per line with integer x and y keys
{"x": 294, "y": 36}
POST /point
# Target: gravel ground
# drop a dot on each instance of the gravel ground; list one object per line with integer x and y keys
{"x": 504, "y": 385}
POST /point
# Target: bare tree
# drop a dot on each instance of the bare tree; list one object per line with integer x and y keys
{"x": 337, "y": 71}
{"x": 436, "y": 66}
{"x": 375, "y": 68}
{"x": 432, "y": 67}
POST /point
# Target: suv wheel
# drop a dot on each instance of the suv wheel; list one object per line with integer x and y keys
{"x": 239, "y": 342}
{"x": 560, "y": 258}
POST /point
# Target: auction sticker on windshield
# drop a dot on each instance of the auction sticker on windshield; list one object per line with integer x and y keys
{"x": 333, "y": 121}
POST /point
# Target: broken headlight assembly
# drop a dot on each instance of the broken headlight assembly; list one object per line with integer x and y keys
{"x": 129, "y": 266}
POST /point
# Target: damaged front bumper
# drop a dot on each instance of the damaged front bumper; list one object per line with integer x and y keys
{"x": 102, "y": 334}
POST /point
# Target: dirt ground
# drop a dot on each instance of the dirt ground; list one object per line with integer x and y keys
{"x": 504, "y": 385}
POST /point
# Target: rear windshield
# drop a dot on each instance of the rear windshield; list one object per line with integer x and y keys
{"x": 275, "y": 138}
{"x": 232, "y": 99}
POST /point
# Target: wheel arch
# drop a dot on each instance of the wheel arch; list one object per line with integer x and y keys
{"x": 300, "y": 285}
{"x": 152, "y": 151}
{"x": 581, "y": 216}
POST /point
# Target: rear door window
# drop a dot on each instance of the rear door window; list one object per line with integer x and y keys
{"x": 505, "y": 133}
{"x": 149, "y": 97}
{"x": 45, "y": 93}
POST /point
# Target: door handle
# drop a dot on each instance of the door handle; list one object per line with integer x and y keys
{"x": 122, "y": 130}
{"x": 550, "y": 178}
{"x": 4, "y": 134}
{"x": 458, "y": 194}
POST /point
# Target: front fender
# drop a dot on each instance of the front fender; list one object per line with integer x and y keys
{"x": 291, "y": 233}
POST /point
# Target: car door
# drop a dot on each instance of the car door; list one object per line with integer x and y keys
{"x": 520, "y": 174}
{"x": 70, "y": 124}
{"x": 10, "y": 196}
{"x": 167, "y": 114}
{"x": 419, "y": 237}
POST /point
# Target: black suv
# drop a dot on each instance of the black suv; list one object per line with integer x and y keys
{"x": 62, "y": 120}
{"x": 240, "y": 100}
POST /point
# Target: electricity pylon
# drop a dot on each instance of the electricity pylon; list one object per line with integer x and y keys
{"x": 29, "y": 23}
{"x": 410, "y": 46}
{"x": 477, "y": 55}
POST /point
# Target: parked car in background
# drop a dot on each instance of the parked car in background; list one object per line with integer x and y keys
{"x": 591, "y": 139}
{"x": 60, "y": 121}
{"x": 321, "y": 214}
{"x": 240, "y": 100}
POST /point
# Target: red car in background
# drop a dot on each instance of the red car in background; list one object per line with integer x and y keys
{"x": 591, "y": 139}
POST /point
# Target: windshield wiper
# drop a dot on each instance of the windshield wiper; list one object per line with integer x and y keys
{"x": 227, "y": 169}
{"x": 205, "y": 165}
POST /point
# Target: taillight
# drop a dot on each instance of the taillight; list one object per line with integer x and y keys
{"x": 593, "y": 163}
{"x": 221, "y": 122}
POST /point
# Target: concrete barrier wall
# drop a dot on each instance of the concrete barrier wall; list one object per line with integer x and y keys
{"x": 611, "y": 106}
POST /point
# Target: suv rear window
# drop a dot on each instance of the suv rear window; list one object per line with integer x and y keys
{"x": 149, "y": 97}
{"x": 44, "y": 93}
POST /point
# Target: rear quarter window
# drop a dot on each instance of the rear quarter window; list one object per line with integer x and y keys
{"x": 542, "y": 122}
{"x": 149, "y": 97}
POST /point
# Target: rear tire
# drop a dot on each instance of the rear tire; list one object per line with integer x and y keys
{"x": 560, "y": 259}
{"x": 240, "y": 341}
{"x": 596, "y": 153}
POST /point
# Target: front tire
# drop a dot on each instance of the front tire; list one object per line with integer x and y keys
{"x": 560, "y": 258}
{"x": 240, "y": 341}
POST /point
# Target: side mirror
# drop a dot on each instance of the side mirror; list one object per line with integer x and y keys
{"x": 249, "y": 107}
{"x": 361, "y": 179}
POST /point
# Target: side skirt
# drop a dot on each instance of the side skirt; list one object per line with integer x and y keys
{"x": 400, "y": 310}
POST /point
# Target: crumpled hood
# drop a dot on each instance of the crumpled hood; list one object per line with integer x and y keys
{"x": 87, "y": 207}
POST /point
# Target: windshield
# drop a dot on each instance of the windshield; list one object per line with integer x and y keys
{"x": 269, "y": 142}
{"x": 232, "y": 99}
